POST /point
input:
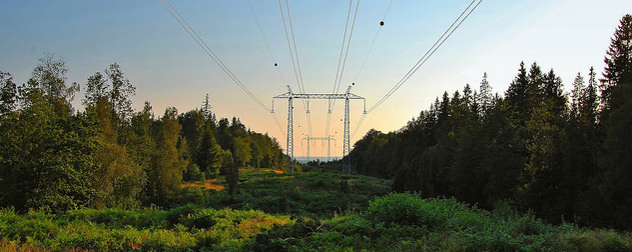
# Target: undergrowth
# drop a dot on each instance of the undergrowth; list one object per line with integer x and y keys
{"x": 313, "y": 212}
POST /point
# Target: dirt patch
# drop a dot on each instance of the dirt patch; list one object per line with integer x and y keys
{"x": 214, "y": 184}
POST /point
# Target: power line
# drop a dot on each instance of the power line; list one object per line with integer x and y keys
{"x": 379, "y": 28}
{"x": 278, "y": 124}
{"x": 187, "y": 27}
{"x": 429, "y": 53}
{"x": 296, "y": 65}
{"x": 342, "y": 47}
{"x": 342, "y": 61}
{"x": 424, "y": 58}
{"x": 353, "y": 133}
{"x": 254, "y": 14}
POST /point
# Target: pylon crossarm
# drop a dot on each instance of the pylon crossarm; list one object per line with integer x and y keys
{"x": 318, "y": 96}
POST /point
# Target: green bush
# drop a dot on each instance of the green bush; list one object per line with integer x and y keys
{"x": 406, "y": 210}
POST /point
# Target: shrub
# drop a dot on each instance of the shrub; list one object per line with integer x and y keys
{"x": 406, "y": 210}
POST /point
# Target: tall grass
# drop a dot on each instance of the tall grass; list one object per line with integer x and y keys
{"x": 317, "y": 216}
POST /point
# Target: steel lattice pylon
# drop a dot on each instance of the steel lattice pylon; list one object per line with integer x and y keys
{"x": 346, "y": 167}
{"x": 327, "y": 138}
{"x": 346, "y": 144}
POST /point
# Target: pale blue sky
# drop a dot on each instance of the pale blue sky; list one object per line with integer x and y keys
{"x": 169, "y": 69}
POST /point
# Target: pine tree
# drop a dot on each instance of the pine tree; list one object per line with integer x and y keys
{"x": 617, "y": 122}
{"x": 618, "y": 70}
{"x": 485, "y": 96}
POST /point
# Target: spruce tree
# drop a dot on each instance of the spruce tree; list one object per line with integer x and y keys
{"x": 616, "y": 121}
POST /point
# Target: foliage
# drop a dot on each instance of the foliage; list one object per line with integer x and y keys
{"x": 454, "y": 226}
{"x": 179, "y": 229}
{"x": 564, "y": 160}
{"x": 56, "y": 159}
{"x": 532, "y": 157}
{"x": 46, "y": 155}
{"x": 313, "y": 194}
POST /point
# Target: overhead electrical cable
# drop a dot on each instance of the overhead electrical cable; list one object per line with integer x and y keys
{"x": 296, "y": 65}
{"x": 278, "y": 124}
{"x": 358, "y": 125}
{"x": 455, "y": 25}
{"x": 342, "y": 60}
{"x": 298, "y": 62}
{"x": 254, "y": 14}
{"x": 265, "y": 40}
{"x": 189, "y": 29}
{"x": 342, "y": 46}
{"x": 423, "y": 59}
{"x": 300, "y": 72}
{"x": 379, "y": 28}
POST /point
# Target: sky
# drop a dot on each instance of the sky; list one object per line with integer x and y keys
{"x": 169, "y": 69}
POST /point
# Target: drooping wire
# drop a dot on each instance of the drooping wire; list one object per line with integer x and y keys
{"x": 296, "y": 65}
{"x": 360, "y": 121}
{"x": 278, "y": 124}
{"x": 429, "y": 53}
{"x": 254, "y": 14}
{"x": 187, "y": 27}
{"x": 298, "y": 62}
{"x": 379, "y": 28}
{"x": 342, "y": 46}
{"x": 265, "y": 40}
{"x": 455, "y": 25}
{"x": 300, "y": 72}
{"x": 348, "y": 45}
{"x": 342, "y": 60}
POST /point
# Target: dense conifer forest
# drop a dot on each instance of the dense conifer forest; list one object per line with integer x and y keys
{"x": 565, "y": 156}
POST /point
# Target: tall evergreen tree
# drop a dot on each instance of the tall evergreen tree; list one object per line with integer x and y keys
{"x": 616, "y": 120}
{"x": 485, "y": 96}
{"x": 618, "y": 70}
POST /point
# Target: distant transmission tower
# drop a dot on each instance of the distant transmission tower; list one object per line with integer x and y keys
{"x": 327, "y": 138}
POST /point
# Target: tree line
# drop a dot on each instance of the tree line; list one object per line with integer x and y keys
{"x": 567, "y": 157}
{"x": 54, "y": 158}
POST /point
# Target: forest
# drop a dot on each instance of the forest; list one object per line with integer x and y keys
{"x": 564, "y": 156}
{"x": 534, "y": 169}
{"x": 54, "y": 158}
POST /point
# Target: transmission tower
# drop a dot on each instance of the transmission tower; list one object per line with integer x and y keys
{"x": 323, "y": 139}
{"x": 347, "y": 96}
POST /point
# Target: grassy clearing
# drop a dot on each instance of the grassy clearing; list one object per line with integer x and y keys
{"x": 308, "y": 194}
{"x": 301, "y": 212}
